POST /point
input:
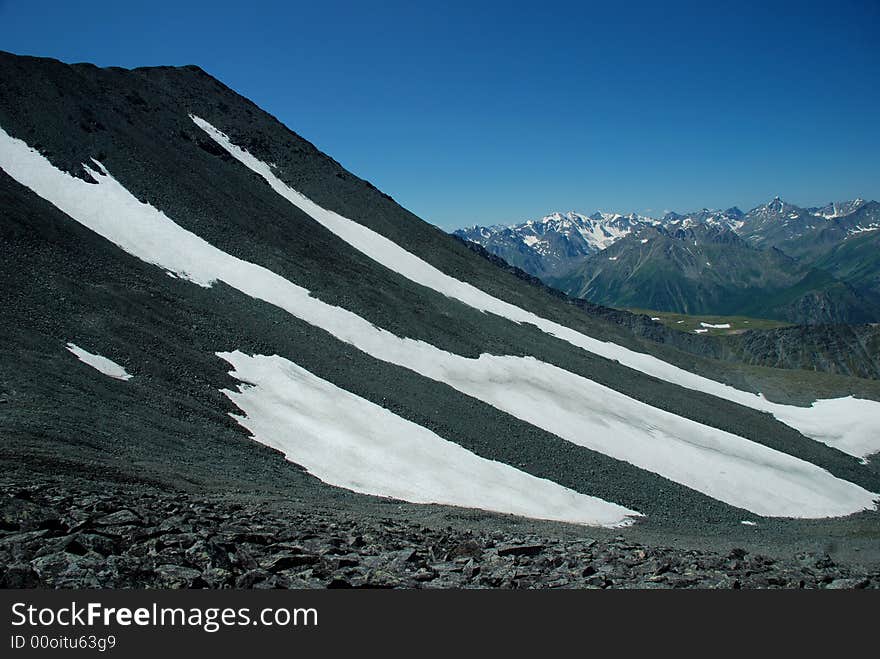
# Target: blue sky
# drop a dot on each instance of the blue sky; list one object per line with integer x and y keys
{"x": 496, "y": 112}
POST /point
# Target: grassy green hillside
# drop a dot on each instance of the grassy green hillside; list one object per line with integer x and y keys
{"x": 688, "y": 323}
{"x": 856, "y": 260}
{"x": 706, "y": 270}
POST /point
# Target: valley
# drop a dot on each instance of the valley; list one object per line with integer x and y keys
{"x": 708, "y": 324}
{"x": 200, "y": 305}
{"x": 777, "y": 261}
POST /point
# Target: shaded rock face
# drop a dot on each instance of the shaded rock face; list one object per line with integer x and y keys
{"x": 843, "y": 349}
{"x": 69, "y": 537}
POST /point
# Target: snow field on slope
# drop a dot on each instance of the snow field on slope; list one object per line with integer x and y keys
{"x": 859, "y": 436}
{"x": 722, "y": 465}
{"x": 99, "y": 363}
{"x": 350, "y": 442}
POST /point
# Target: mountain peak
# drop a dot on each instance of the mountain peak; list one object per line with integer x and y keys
{"x": 774, "y": 208}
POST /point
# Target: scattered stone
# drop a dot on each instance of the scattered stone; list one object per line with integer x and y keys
{"x": 177, "y": 576}
{"x": 467, "y": 549}
{"x": 19, "y": 575}
{"x": 119, "y": 518}
{"x": 58, "y": 537}
{"x": 847, "y": 584}
{"x": 251, "y": 578}
{"x": 288, "y": 560}
{"x": 520, "y": 550}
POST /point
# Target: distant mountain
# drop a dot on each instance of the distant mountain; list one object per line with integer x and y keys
{"x": 843, "y": 349}
{"x": 707, "y": 268}
{"x": 606, "y": 258}
{"x": 551, "y": 244}
{"x": 837, "y": 209}
{"x": 776, "y": 222}
{"x": 825, "y": 236}
{"x": 855, "y": 260}
{"x": 732, "y": 218}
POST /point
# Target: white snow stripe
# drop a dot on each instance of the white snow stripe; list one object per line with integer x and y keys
{"x": 858, "y": 436}
{"x": 351, "y": 442}
{"x": 99, "y": 363}
{"x": 720, "y": 464}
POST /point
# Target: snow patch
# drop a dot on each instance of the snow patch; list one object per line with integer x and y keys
{"x": 862, "y": 434}
{"x": 722, "y": 465}
{"x": 718, "y": 326}
{"x": 99, "y": 363}
{"x": 350, "y": 442}
{"x": 701, "y": 331}
{"x": 862, "y": 229}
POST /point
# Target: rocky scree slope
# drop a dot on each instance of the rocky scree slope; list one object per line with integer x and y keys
{"x": 170, "y": 425}
{"x": 55, "y": 536}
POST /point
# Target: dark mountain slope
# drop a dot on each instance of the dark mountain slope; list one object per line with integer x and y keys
{"x": 206, "y": 192}
{"x": 844, "y": 349}
{"x": 170, "y": 426}
{"x": 64, "y": 283}
{"x": 79, "y": 288}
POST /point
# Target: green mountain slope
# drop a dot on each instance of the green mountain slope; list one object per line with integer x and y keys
{"x": 710, "y": 270}
{"x": 856, "y": 260}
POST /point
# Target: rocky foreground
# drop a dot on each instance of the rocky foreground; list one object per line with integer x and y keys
{"x": 55, "y": 537}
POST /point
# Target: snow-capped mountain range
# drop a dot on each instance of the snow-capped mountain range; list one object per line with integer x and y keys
{"x": 780, "y": 257}
{"x": 548, "y": 245}
{"x": 551, "y": 243}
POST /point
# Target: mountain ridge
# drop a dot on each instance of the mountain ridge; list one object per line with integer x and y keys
{"x": 774, "y": 228}
{"x": 214, "y": 261}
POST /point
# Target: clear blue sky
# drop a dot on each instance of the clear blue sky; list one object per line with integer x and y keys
{"x": 495, "y": 112}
